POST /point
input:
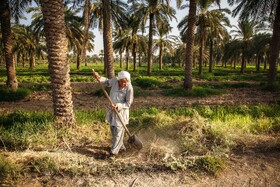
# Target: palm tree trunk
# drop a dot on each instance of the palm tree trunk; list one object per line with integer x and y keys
{"x": 274, "y": 47}
{"x": 54, "y": 27}
{"x": 107, "y": 38}
{"x": 160, "y": 58}
{"x": 190, "y": 42}
{"x": 5, "y": 18}
{"x": 87, "y": 7}
{"x": 79, "y": 58}
{"x": 127, "y": 55}
{"x": 211, "y": 56}
{"x": 139, "y": 59}
{"x": 150, "y": 44}
{"x": 121, "y": 59}
{"x": 201, "y": 53}
{"x": 32, "y": 62}
{"x": 134, "y": 57}
{"x": 242, "y": 61}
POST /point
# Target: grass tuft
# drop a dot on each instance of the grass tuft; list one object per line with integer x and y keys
{"x": 195, "y": 92}
{"x": 9, "y": 95}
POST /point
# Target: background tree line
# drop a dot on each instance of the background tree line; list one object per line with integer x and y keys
{"x": 140, "y": 29}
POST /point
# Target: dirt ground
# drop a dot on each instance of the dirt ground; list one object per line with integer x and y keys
{"x": 256, "y": 165}
{"x": 84, "y": 99}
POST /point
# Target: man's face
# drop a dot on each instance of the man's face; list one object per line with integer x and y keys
{"x": 123, "y": 83}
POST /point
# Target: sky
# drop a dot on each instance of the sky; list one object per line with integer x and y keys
{"x": 98, "y": 41}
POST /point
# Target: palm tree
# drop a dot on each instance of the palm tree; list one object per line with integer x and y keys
{"x": 157, "y": 11}
{"x": 263, "y": 10}
{"x": 86, "y": 20}
{"x": 74, "y": 32}
{"x": 189, "y": 39}
{"x": 232, "y": 51}
{"x": 210, "y": 23}
{"x": 217, "y": 31}
{"x": 260, "y": 49}
{"x": 107, "y": 39}
{"x": 55, "y": 32}
{"x": 5, "y": 18}
{"x": 27, "y": 44}
{"x": 245, "y": 31}
{"x": 165, "y": 42}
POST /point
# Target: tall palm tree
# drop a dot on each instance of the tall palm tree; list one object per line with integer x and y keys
{"x": 208, "y": 21}
{"x": 157, "y": 11}
{"x": 263, "y": 10}
{"x": 260, "y": 49}
{"x": 232, "y": 51}
{"x": 5, "y": 17}
{"x": 107, "y": 39}
{"x": 74, "y": 32}
{"x": 217, "y": 31}
{"x": 27, "y": 44}
{"x": 165, "y": 42}
{"x": 55, "y": 32}
{"x": 245, "y": 31}
{"x": 189, "y": 42}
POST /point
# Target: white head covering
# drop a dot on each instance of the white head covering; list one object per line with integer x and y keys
{"x": 124, "y": 75}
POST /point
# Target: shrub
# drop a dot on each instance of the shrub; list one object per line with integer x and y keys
{"x": 42, "y": 165}
{"x": 147, "y": 82}
{"x": 195, "y": 92}
{"x": 210, "y": 164}
{"x": 8, "y": 171}
{"x": 9, "y": 95}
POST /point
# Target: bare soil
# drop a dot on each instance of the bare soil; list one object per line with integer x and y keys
{"x": 255, "y": 164}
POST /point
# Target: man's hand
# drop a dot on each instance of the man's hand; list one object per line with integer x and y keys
{"x": 114, "y": 106}
{"x": 96, "y": 75}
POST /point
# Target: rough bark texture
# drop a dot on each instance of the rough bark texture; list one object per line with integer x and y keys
{"x": 86, "y": 29}
{"x": 54, "y": 27}
{"x": 150, "y": 45}
{"x": 107, "y": 38}
{"x": 134, "y": 57}
{"x": 5, "y": 19}
{"x": 274, "y": 47}
{"x": 189, "y": 48}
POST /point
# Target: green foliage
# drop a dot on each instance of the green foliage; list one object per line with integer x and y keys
{"x": 19, "y": 129}
{"x": 210, "y": 164}
{"x": 275, "y": 87}
{"x": 195, "y": 92}
{"x": 9, "y": 95}
{"x": 147, "y": 82}
{"x": 42, "y": 165}
{"x": 9, "y": 171}
{"x": 86, "y": 117}
{"x": 39, "y": 87}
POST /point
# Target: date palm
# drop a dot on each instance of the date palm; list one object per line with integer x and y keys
{"x": 55, "y": 32}
{"x": 74, "y": 31}
{"x": 232, "y": 51}
{"x": 5, "y": 18}
{"x": 263, "y": 10}
{"x": 245, "y": 32}
{"x": 260, "y": 49}
{"x": 189, "y": 42}
{"x": 157, "y": 11}
{"x": 27, "y": 44}
{"x": 104, "y": 15}
{"x": 209, "y": 22}
{"x": 165, "y": 42}
{"x": 86, "y": 23}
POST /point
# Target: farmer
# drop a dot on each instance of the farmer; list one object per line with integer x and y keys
{"x": 121, "y": 94}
